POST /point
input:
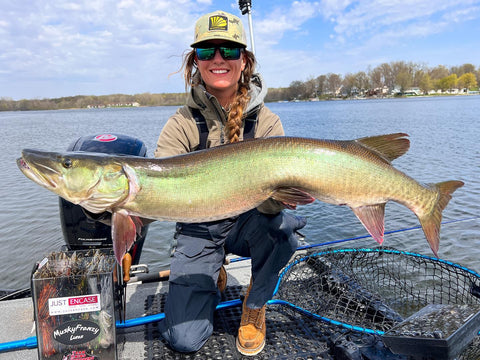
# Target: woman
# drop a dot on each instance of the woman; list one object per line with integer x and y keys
{"x": 224, "y": 92}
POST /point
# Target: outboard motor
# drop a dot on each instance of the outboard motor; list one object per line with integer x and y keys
{"x": 81, "y": 232}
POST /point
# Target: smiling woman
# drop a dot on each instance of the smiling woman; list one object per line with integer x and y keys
{"x": 225, "y": 105}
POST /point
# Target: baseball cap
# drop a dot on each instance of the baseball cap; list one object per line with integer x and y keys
{"x": 219, "y": 25}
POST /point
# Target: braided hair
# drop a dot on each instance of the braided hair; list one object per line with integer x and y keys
{"x": 239, "y": 104}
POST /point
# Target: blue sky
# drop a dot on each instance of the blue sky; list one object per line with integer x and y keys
{"x": 61, "y": 48}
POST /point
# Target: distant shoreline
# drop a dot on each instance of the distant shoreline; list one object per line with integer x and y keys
{"x": 174, "y": 99}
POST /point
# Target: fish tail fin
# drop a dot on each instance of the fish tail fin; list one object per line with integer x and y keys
{"x": 431, "y": 221}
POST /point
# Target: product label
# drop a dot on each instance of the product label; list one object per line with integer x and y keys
{"x": 74, "y": 304}
{"x": 76, "y": 332}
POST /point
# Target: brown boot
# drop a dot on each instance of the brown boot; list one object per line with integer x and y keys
{"x": 251, "y": 334}
{"x": 222, "y": 279}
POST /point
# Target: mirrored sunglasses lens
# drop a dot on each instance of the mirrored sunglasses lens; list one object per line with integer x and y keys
{"x": 230, "y": 53}
{"x": 205, "y": 54}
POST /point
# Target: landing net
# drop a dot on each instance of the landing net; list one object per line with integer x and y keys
{"x": 372, "y": 290}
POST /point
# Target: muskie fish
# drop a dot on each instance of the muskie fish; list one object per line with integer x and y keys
{"x": 228, "y": 180}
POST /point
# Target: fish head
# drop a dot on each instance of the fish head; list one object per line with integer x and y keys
{"x": 95, "y": 181}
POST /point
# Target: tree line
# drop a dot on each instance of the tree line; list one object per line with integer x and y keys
{"x": 387, "y": 79}
{"x": 83, "y": 101}
{"x": 383, "y": 80}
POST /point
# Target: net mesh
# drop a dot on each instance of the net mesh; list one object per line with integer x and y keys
{"x": 374, "y": 288}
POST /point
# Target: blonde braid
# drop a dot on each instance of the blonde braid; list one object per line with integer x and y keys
{"x": 234, "y": 121}
{"x": 235, "y": 116}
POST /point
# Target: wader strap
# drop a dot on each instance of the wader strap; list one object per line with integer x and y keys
{"x": 248, "y": 130}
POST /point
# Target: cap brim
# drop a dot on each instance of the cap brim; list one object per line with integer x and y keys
{"x": 205, "y": 41}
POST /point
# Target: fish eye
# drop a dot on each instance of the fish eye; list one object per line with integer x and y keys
{"x": 67, "y": 163}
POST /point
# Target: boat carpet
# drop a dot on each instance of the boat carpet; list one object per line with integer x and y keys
{"x": 289, "y": 336}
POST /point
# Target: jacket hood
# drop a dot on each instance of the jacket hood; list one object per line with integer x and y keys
{"x": 258, "y": 91}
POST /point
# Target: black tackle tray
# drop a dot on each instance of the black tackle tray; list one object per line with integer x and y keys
{"x": 435, "y": 332}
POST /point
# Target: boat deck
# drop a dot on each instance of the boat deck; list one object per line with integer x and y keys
{"x": 289, "y": 334}
{"x": 17, "y": 319}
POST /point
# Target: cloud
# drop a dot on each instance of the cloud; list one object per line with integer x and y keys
{"x": 271, "y": 26}
{"x": 357, "y": 34}
{"x": 92, "y": 40}
{"x": 62, "y": 48}
{"x": 362, "y": 19}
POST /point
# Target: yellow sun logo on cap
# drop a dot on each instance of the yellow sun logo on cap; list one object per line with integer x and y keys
{"x": 218, "y": 23}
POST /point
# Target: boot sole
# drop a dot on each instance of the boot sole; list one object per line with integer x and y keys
{"x": 249, "y": 352}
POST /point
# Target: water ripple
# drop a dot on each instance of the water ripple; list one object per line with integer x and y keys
{"x": 443, "y": 134}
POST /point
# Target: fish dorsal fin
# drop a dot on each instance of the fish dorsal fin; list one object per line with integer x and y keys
{"x": 389, "y": 146}
{"x": 292, "y": 196}
{"x": 372, "y": 217}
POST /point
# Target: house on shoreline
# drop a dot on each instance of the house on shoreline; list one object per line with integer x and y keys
{"x": 119, "y": 105}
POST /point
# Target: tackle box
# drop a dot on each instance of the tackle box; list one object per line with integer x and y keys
{"x": 437, "y": 332}
{"x": 73, "y": 294}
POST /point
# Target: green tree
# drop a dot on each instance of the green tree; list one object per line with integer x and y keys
{"x": 467, "y": 81}
{"x": 404, "y": 80}
{"x": 349, "y": 84}
{"x": 425, "y": 83}
{"x": 448, "y": 82}
{"x": 296, "y": 90}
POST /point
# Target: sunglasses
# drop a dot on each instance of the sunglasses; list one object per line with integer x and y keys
{"x": 227, "y": 53}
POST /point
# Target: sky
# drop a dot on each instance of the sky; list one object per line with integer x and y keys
{"x": 58, "y": 48}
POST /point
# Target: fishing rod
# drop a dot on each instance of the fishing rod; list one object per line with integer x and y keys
{"x": 386, "y": 233}
{"x": 246, "y": 8}
{"x": 305, "y": 247}
{"x": 164, "y": 274}
{"x": 31, "y": 342}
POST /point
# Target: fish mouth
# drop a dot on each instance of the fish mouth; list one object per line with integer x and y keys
{"x": 37, "y": 170}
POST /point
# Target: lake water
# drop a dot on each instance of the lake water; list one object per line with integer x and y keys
{"x": 444, "y": 134}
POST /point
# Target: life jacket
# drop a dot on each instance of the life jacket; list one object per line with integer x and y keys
{"x": 248, "y": 130}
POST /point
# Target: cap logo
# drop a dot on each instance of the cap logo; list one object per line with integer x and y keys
{"x": 218, "y": 22}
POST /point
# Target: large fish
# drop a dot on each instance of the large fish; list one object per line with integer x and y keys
{"x": 228, "y": 180}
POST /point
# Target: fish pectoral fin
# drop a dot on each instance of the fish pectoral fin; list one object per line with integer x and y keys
{"x": 124, "y": 229}
{"x": 389, "y": 146}
{"x": 292, "y": 196}
{"x": 138, "y": 224}
{"x": 372, "y": 217}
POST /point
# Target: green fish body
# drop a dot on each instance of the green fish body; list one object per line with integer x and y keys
{"x": 228, "y": 180}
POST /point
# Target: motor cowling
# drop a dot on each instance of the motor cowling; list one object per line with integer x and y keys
{"x": 82, "y": 232}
